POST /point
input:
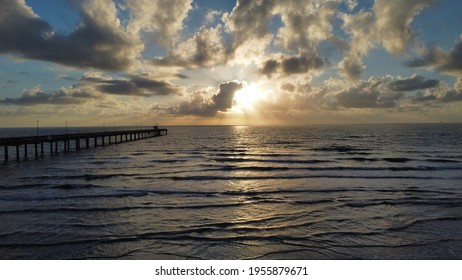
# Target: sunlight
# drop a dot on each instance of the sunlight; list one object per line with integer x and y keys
{"x": 246, "y": 98}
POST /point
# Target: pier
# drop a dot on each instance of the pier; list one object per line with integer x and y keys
{"x": 66, "y": 142}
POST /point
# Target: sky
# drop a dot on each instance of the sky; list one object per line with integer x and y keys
{"x": 245, "y": 62}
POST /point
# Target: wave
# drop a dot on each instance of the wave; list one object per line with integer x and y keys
{"x": 310, "y": 202}
{"x": 75, "y": 197}
{"x": 293, "y": 177}
{"x": 340, "y": 149}
{"x": 333, "y": 168}
{"x": 291, "y": 191}
{"x": 381, "y": 232}
{"x": 288, "y": 161}
{"x": 251, "y": 158}
{"x": 246, "y": 154}
{"x": 225, "y": 150}
{"x": 440, "y": 160}
{"x": 139, "y": 154}
{"x": 23, "y": 186}
{"x": 134, "y": 208}
{"x": 444, "y": 202}
{"x": 282, "y": 142}
{"x": 76, "y": 186}
{"x": 359, "y": 159}
{"x": 250, "y": 168}
{"x": 422, "y": 221}
{"x": 168, "y": 160}
{"x": 397, "y": 160}
{"x": 87, "y": 177}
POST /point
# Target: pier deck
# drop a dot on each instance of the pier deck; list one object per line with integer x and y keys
{"x": 63, "y": 141}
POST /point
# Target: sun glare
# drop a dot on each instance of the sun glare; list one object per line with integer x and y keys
{"x": 245, "y": 98}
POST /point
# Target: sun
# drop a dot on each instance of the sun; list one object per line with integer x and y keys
{"x": 247, "y": 97}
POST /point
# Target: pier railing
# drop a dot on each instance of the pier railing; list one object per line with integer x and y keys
{"x": 89, "y": 139}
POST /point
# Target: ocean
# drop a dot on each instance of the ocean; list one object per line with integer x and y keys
{"x": 236, "y": 192}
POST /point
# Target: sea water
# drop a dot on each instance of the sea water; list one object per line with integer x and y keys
{"x": 236, "y": 192}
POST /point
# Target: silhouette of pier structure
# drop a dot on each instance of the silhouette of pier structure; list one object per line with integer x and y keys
{"x": 68, "y": 142}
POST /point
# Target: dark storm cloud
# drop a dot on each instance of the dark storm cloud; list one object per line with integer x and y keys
{"x": 133, "y": 86}
{"x": 445, "y": 62}
{"x": 204, "y": 107}
{"x": 412, "y": 83}
{"x": 93, "y": 43}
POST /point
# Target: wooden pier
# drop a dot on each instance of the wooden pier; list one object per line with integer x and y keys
{"x": 79, "y": 141}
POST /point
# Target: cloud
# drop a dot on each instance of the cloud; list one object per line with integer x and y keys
{"x": 431, "y": 57}
{"x": 389, "y": 25}
{"x": 305, "y": 23}
{"x": 96, "y": 86}
{"x": 412, "y": 83}
{"x": 98, "y": 41}
{"x": 134, "y": 85}
{"x": 212, "y": 15}
{"x": 270, "y": 67}
{"x": 372, "y": 93}
{"x": 441, "y": 94}
{"x": 451, "y": 96}
{"x": 223, "y": 100}
{"x": 352, "y": 66}
{"x": 288, "y": 87}
{"x": 249, "y": 20}
{"x": 204, "y": 48}
{"x": 293, "y": 65}
{"x": 390, "y": 93}
{"x": 181, "y": 76}
{"x": 301, "y": 64}
{"x": 163, "y": 20}
{"x": 200, "y": 105}
{"x": 63, "y": 96}
{"x": 453, "y": 63}
{"x": 248, "y": 29}
{"x": 360, "y": 27}
{"x": 394, "y": 18}
{"x": 450, "y": 63}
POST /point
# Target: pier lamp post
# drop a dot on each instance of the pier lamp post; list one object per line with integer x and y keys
{"x": 37, "y": 127}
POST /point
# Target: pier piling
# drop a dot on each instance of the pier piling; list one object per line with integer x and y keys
{"x": 65, "y": 139}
